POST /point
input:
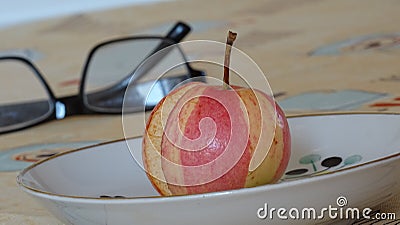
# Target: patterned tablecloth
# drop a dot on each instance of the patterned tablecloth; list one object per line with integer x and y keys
{"x": 341, "y": 55}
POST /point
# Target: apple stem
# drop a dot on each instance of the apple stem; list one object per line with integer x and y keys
{"x": 229, "y": 42}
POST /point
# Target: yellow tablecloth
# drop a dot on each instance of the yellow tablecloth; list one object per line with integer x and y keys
{"x": 344, "y": 51}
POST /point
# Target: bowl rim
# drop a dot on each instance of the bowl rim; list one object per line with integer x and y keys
{"x": 315, "y": 178}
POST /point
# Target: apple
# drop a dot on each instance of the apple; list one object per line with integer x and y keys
{"x": 204, "y": 138}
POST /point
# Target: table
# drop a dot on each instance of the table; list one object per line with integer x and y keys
{"x": 346, "y": 52}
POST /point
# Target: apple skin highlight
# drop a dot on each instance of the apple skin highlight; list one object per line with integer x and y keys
{"x": 202, "y": 138}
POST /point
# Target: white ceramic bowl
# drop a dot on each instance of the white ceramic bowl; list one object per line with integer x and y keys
{"x": 352, "y": 157}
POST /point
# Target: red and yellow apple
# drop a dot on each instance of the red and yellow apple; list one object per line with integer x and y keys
{"x": 204, "y": 138}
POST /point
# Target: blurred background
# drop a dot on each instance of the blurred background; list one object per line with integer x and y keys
{"x": 20, "y": 11}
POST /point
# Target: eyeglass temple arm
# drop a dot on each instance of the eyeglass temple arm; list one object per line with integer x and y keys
{"x": 177, "y": 33}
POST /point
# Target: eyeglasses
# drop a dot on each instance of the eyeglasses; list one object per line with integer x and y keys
{"x": 26, "y": 99}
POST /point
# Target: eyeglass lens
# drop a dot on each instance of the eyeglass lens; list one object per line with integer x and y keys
{"x": 114, "y": 67}
{"x": 24, "y": 99}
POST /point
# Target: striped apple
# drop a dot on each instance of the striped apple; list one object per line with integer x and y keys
{"x": 205, "y": 138}
{"x": 202, "y": 138}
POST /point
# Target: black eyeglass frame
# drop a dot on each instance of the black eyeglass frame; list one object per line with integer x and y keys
{"x": 75, "y": 104}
